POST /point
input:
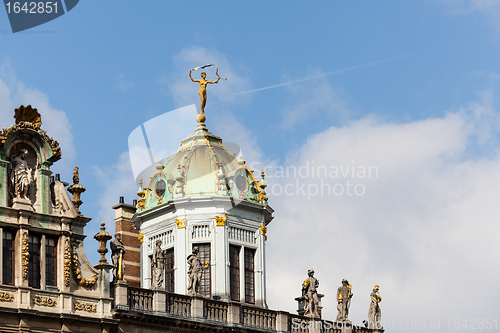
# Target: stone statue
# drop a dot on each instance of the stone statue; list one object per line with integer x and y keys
{"x": 158, "y": 264}
{"x": 311, "y": 295}
{"x": 21, "y": 175}
{"x": 203, "y": 88}
{"x": 195, "y": 271}
{"x": 117, "y": 252}
{"x": 374, "y": 313}
{"x": 344, "y": 296}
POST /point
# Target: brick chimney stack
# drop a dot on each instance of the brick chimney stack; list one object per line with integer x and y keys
{"x": 125, "y": 227}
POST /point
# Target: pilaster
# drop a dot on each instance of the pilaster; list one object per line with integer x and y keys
{"x": 3, "y": 180}
{"x": 181, "y": 253}
{"x": 197, "y": 307}
{"x": 220, "y": 256}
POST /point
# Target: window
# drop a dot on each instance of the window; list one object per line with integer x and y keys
{"x": 34, "y": 243}
{"x": 249, "y": 276}
{"x": 205, "y": 283}
{"x": 50, "y": 261}
{"x": 169, "y": 270}
{"x": 234, "y": 272}
{"x": 8, "y": 257}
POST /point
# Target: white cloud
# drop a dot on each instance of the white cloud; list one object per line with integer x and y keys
{"x": 490, "y": 9}
{"x": 312, "y": 99}
{"x": 425, "y": 230}
{"x": 14, "y": 93}
{"x": 116, "y": 181}
{"x": 123, "y": 84}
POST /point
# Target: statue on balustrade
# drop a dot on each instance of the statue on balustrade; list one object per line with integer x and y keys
{"x": 374, "y": 313}
{"x": 117, "y": 253}
{"x": 158, "y": 264}
{"x": 344, "y": 296}
{"x": 311, "y": 295}
{"x": 195, "y": 272}
{"x": 21, "y": 176}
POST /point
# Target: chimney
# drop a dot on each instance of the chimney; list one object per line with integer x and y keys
{"x": 125, "y": 227}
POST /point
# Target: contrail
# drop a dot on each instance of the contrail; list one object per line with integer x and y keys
{"x": 328, "y": 73}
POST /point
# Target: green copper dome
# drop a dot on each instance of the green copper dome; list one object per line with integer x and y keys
{"x": 201, "y": 167}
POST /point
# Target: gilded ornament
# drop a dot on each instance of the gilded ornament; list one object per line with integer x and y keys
{"x": 6, "y": 297}
{"x": 76, "y": 190}
{"x": 28, "y": 117}
{"x": 263, "y": 231}
{"x": 25, "y": 255}
{"x": 77, "y": 273}
{"x": 220, "y": 220}
{"x": 44, "y": 301}
{"x": 67, "y": 263}
{"x": 141, "y": 237}
{"x": 88, "y": 307}
{"x": 181, "y": 223}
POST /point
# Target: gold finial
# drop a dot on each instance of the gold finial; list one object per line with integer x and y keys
{"x": 76, "y": 190}
{"x": 102, "y": 237}
{"x": 76, "y": 176}
{"x": 140, "y": 182}
{"x": 203, "y": 90}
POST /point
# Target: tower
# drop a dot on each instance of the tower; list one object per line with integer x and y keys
{"x": 206, "y": 197}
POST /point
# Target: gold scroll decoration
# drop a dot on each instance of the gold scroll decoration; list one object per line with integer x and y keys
{"x": 44, "y": 301}
{"x": 6, "y": 297}
{"x": 88, "y": 307}
{"x": 77, "y": 273}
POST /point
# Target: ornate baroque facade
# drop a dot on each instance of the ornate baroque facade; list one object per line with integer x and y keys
{"x": 190, "y": 255}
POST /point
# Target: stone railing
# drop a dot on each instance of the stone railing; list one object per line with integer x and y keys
{"x": 226, "y": 314}
{"x": 215, "y": 310}
{"x": 257, "y": 317}
{"x": 140, "y": 299}
{"x": 298, "y": 323}
{"x": 178, "y": 305}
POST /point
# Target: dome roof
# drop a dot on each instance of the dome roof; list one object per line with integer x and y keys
{"x": 201, "y": 167}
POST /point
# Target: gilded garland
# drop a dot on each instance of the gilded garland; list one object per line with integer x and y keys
{"x": 6, "y": 297}
{"x": 25, "y": 255}
{"x": 28, "y": 117}
{"x": 88, "y": 307}
{"x": 67, "y": 263}
{"x": 77, "y": 273}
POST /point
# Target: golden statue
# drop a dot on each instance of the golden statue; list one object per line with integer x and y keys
{"x": 203, "y": 90}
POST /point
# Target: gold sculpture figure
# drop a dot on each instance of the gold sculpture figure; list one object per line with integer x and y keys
{"x": 203, "y": 89}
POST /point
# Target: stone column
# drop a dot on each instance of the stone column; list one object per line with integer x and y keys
{"x": 43, "y": 192}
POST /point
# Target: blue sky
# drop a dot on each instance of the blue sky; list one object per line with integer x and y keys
{"x": 422, "y": 106}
